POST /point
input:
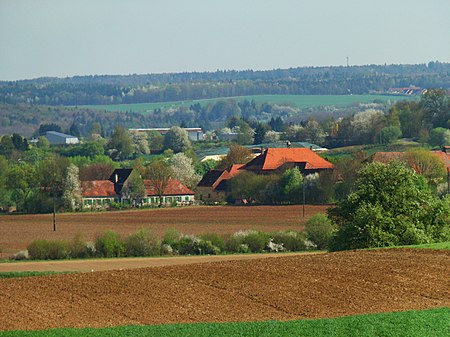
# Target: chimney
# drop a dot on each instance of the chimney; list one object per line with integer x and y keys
{"x": 310, "y": 147}
{"x": 116, "y": 178}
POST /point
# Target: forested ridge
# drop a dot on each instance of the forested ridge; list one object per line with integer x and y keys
{"x": 134, "y": 88}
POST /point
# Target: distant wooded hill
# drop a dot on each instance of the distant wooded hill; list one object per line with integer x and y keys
{"x": 119, "y": 89}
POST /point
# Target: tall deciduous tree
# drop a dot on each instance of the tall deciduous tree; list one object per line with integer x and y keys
{"x": 120, "y": 144}
{"x": 134, "y": 188}
{"x": 427, "y": 164}
{"x": 183, "y": 170}
{"x": 140, "y": 143}
{"x": 158, "y": 174}
{"x": 245, "y": 133}
{"x": 177, "y": 139}
{"x": 236, "y": 155}
{"x": 392, "y": 205}
{"x": 314, "y": 132}
{"x": 367, "y": 125}
{"x": 96, "y": 171}
{"x": 72, "y": 189}
{"x": 290, "y": 183}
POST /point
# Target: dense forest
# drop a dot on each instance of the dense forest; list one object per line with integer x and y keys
{"x": 116, "y": 89}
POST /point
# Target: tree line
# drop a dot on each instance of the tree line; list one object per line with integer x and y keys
{"x": 109, "y": 89}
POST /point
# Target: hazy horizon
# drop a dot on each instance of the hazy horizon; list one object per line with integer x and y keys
{"x": 51, "y": 38}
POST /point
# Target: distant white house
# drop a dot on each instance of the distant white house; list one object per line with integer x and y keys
{"x": 194, "y": 134}
{"x": 58, "y": 138}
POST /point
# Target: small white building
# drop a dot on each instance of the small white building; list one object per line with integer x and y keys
{"x": 194, "y": 134}
{"x": 58, "y": 138}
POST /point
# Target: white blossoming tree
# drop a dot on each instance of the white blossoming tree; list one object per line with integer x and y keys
{"x": 72, "y": 189}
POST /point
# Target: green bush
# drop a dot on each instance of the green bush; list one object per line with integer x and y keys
{"x": 215, "y": 239}
{"x": 58, "y": 250}
{"x": 256, "y": 241}
{"x": 292, "y": 241}
{"x": 78, "y": 247}
{"x": 109, "y": 245}
{"x": 48, "y": 250}
{"x": 235, "y": 244}
{"x": 171, "y": 237}
{"x": 320, "y": 230}
{"x": 37, "y": 249}
{"x": 247, "y": 241}
{"x": 391, "y": 205}
{"x": 142, "y": 243}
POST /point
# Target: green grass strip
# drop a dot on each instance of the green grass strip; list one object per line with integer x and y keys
{"x": 14, "y": 274}
{"x": 438, "y": 245}
{"x": 427, "y": 323}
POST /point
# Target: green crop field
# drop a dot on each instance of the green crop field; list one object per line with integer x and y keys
{"x": 300, "y": 101}
{"x": 428, "y": 323}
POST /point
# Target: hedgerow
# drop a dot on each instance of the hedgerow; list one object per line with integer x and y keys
{"x": 144, "y": 243}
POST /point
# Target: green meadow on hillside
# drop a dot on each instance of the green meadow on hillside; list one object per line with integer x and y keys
{"x": 300, "y": 101}
{"x": 435, "y": 322}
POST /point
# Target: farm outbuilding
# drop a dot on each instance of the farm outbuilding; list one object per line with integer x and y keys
{"x": 58, "y": 138}
{"x": 194, "y": 134}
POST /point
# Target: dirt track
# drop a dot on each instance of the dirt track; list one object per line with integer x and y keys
{"x": 17, "y": 231}
{"x": 284, "y": 288}
{"x": 90, "y": 265}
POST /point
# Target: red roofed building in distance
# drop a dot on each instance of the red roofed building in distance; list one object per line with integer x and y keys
{"x": 277, "y": 160}
{"x": 213, "y": 187}
{"x": 100, "y": 193}
{"x": 96, "y": 193}
{"x": 175, "y": 192}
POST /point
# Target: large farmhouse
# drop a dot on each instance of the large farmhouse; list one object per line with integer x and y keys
{"x": 277, "y": 160}
{"x": 100, "y": 193}
{"x": 213, "y": 186}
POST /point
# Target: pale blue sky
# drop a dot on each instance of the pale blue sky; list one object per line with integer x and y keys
{"x": 80, "y": 37}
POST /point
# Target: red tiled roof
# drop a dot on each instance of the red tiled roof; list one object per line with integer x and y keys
{"x": 98, "y": 188}
{"x": 234, "y": 170}
{"x": 273, "y": 158}
{"x": 444, "y": 157}
{"x": 174, "y": 187}
{"x": 387, "y": 157}
{"x": 213, "y": 177}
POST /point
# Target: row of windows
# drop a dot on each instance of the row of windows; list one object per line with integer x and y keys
{"x": 97, "y": 201}
{"x": 152, "y": 200}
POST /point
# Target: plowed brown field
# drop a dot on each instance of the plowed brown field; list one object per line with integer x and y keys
{"x": 17, "y": 231}
{"x": 283, "y": 288}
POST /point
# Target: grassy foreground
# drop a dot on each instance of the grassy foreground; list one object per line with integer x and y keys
{"x": 428, "y": 323}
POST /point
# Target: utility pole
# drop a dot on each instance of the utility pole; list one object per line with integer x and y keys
{"x": 303, "y": 196}
{"x": 54, "y": 210}
{"x": 448, "y": 180}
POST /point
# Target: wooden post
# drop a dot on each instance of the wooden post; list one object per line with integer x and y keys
{"x": 54, "y": 210}
{"x": 304, "y": 201}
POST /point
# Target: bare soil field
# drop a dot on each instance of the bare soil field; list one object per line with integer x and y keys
{"x": 17, "y": 231}
{"x": 283, "y": 288}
